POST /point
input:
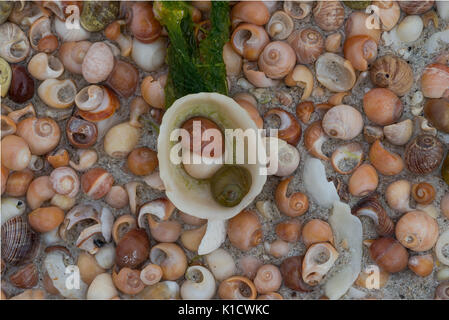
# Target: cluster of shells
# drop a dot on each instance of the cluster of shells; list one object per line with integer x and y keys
{"x": 79, "y": 170}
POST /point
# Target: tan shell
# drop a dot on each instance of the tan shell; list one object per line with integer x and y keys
{"x": 329, "y": 15}
{"x": 334, "y": 72}
{"x": 417, "y": 231}
{"x": 393, "y": 73}
{"x": 416, "y": 7}
{"x": 343, "y": 122}
{"x": 308, "y": 45}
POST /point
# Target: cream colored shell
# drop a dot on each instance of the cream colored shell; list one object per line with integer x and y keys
{"x": 187, "y": 194}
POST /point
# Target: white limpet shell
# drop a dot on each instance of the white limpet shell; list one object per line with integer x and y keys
{"x": 348, "y": 232}
{"x": 193, "y": 196}
{"x": 214, "y": 237}
{"x": 320, "y": 189}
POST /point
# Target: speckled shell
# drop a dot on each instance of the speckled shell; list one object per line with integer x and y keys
{"x": 19, "y": 243}
{"x": 98, "y": 63}
{"x": 416, "y": 7}
{"x": 423, "y": 154}
{"x": 393, "y": 73}
{"x": 329, "y": 15}
{"x": 97, "y": 15}
{"x": 308, "y": 45}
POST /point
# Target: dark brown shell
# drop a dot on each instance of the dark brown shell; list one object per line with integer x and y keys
{"x": 291, "y": 270}
{"x": 26, "y": 277}
{"x": 370, "y": 206}
{"x": 423, "y": 154}
{"x": 393, "y": 73}
{"x": 416, "y": 7}
{"x": 329, "y": 15}
{"x": 20, "y": 243}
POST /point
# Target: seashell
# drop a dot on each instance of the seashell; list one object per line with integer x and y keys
{"x": 191, "y": 200}
{"x": 347, "y": 158}
{"x": 382, "y": 106}
{"x": 417, "y": 231}
{"x": 5, "y": 77}
{"x": 314, "y": 137}
{"x": 293, "y": 206}
{"x": 164, "y": 290}
{"x": 113, "y": 33}
{"x": 257, "y": 78}
{"x": 199, "y": 284}
{"x": 153, "y": 89}
{"x": 81, "y": 133}
{"x": 96, "y": 183}
{"x": 96, "y": 103}
{"x": 97, "y": 63}
{"x": 389, "y": 13}
{"x": 289, "y": 230}
{"x": 232, "y": 60}
{"x": 315, "y": 231}
{"x": 237, "y": 288}
{"x": 250, "y": 12}
{"x": 397, "y": 195}
{"x": 26, "y": 277}
{"x": 87, "y": 158}
{"x": 41, "y": 38}
{"x": 72, "y": 55}
{"x": 151, "y": 274}
{"x": 171, "y": 258}
{"x": 102, "y": 288}
{"x": 410, "y": 29}
{"x": 20, "y": 243}
{"x": 14, "y": 45}
{"x": 248, "y": 40}
{"x": 39, "y": 191}
{"x": 361, "y": 23}
{"x": 435, "y": 81}
{"x": 127, "y": 280}
{"x": 278, "y": 248}
{"x": 437, "y": 111}
{"x": 17, "y": 184}
{"x": 95, "y": 16}
{"x": 277, "y": 59}
{"x": 360, "y": 50}
{"x": 156, "y": 50}
{"x": 132, "y": 249}
{"x": 308, "y": 45}
{"x": 333, "y": 42}
{"x": 304, "y": 111}
{"x": 421, "y": 265}
{"x": 423, "y": 154}
{"x": 423, "y": 193}
{"x": 393, "y": 73}
{"x": 67, "y": 34}
{"x": 442, "y": 242}
{"x": 289, "y": 129}
{"x": 142, "y": 23}
{"x": 334, "y": 72}
{"x": 42, "y": 135}
{"x": 297, "y": 9}
{"x": 88, "y": 267}
{"x": 123, "y": 79}
{"x": 343, "y": 122}
{"x": 416, "y": 7}
{"x": 443, "y": 10}
{"x": 43, "y": 66}
{"x": 318, "y": 260}
{"x": 22, "y": 85}
{"x": 16, "y": 153}
{"x": 280, "y": 25}
{"x": 121, "y": 139}
{"x": 11, "y": 207}
{"x": 363, "y": 181}
{"x": 59, "y": 94}
{"x": 302, "y": 77}
{"x": 399, "y": 133}
{"x": 386, "y": 162}
{"x": 5, "y": 10}
{"x": 65, "y": 181}
{"x": 268, "y": 279}
{"x": 221, "y": 264}
{"x": 291, "y": 270}
{"x": 372, "y": 208}
{"x": 389, "y": 254}
{"x": 329, "y": 15}
{"x": 244, "y": 230}
{"x": 286, "y": 155}
{"x": 45, "y": 219}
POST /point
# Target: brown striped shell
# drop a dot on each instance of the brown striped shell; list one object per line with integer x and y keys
{"x": 308, "y": 45}
{"x": 416, "y": 7}
{"x": 393, "y": 73}
{"x": 370, "y": 206}
{"x": 423, "y": 154}
{"x": 19, "y": 242}
{"x": 329, "y": 15}
{"x": 26, "y": 277}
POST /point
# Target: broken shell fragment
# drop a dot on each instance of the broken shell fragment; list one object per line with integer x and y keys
{"x": 334, "y": 72}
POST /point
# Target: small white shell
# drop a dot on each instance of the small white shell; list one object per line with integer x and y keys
{"x": 410, "y": 28}
{"x": 221, "y": 264}
{"x": 399, "y": 133}
{"x": 200, "y": 284}
{"x": 149, "y": 56}
{"x": 43, "y": 66}
{"x": 102, "y": 288}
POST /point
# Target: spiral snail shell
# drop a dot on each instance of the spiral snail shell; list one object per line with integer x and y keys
{"x": 393, "y": 73}
{"x": 423, "y": 154}
{"x": 308, "y": 45}
{"x": 416, "y": 7}
{"x": 19, "y": 242}
{"x": 343, "y": 122}
{"x": 329, "y": 15}
{"x": 42, "y": 135}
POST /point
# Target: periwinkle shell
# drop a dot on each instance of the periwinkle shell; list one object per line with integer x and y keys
{"x": 423, "y": 154}
{"x": 22, "y": 85}
{"x": 97, "y": 15}
{"x": 20, "y": 243}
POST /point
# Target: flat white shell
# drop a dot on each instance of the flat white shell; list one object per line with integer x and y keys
{"x": 190, "y": 195}
{"x": 347, "y": 228}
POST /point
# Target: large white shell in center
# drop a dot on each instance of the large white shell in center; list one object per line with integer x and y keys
{"x": 186, "y": 193}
